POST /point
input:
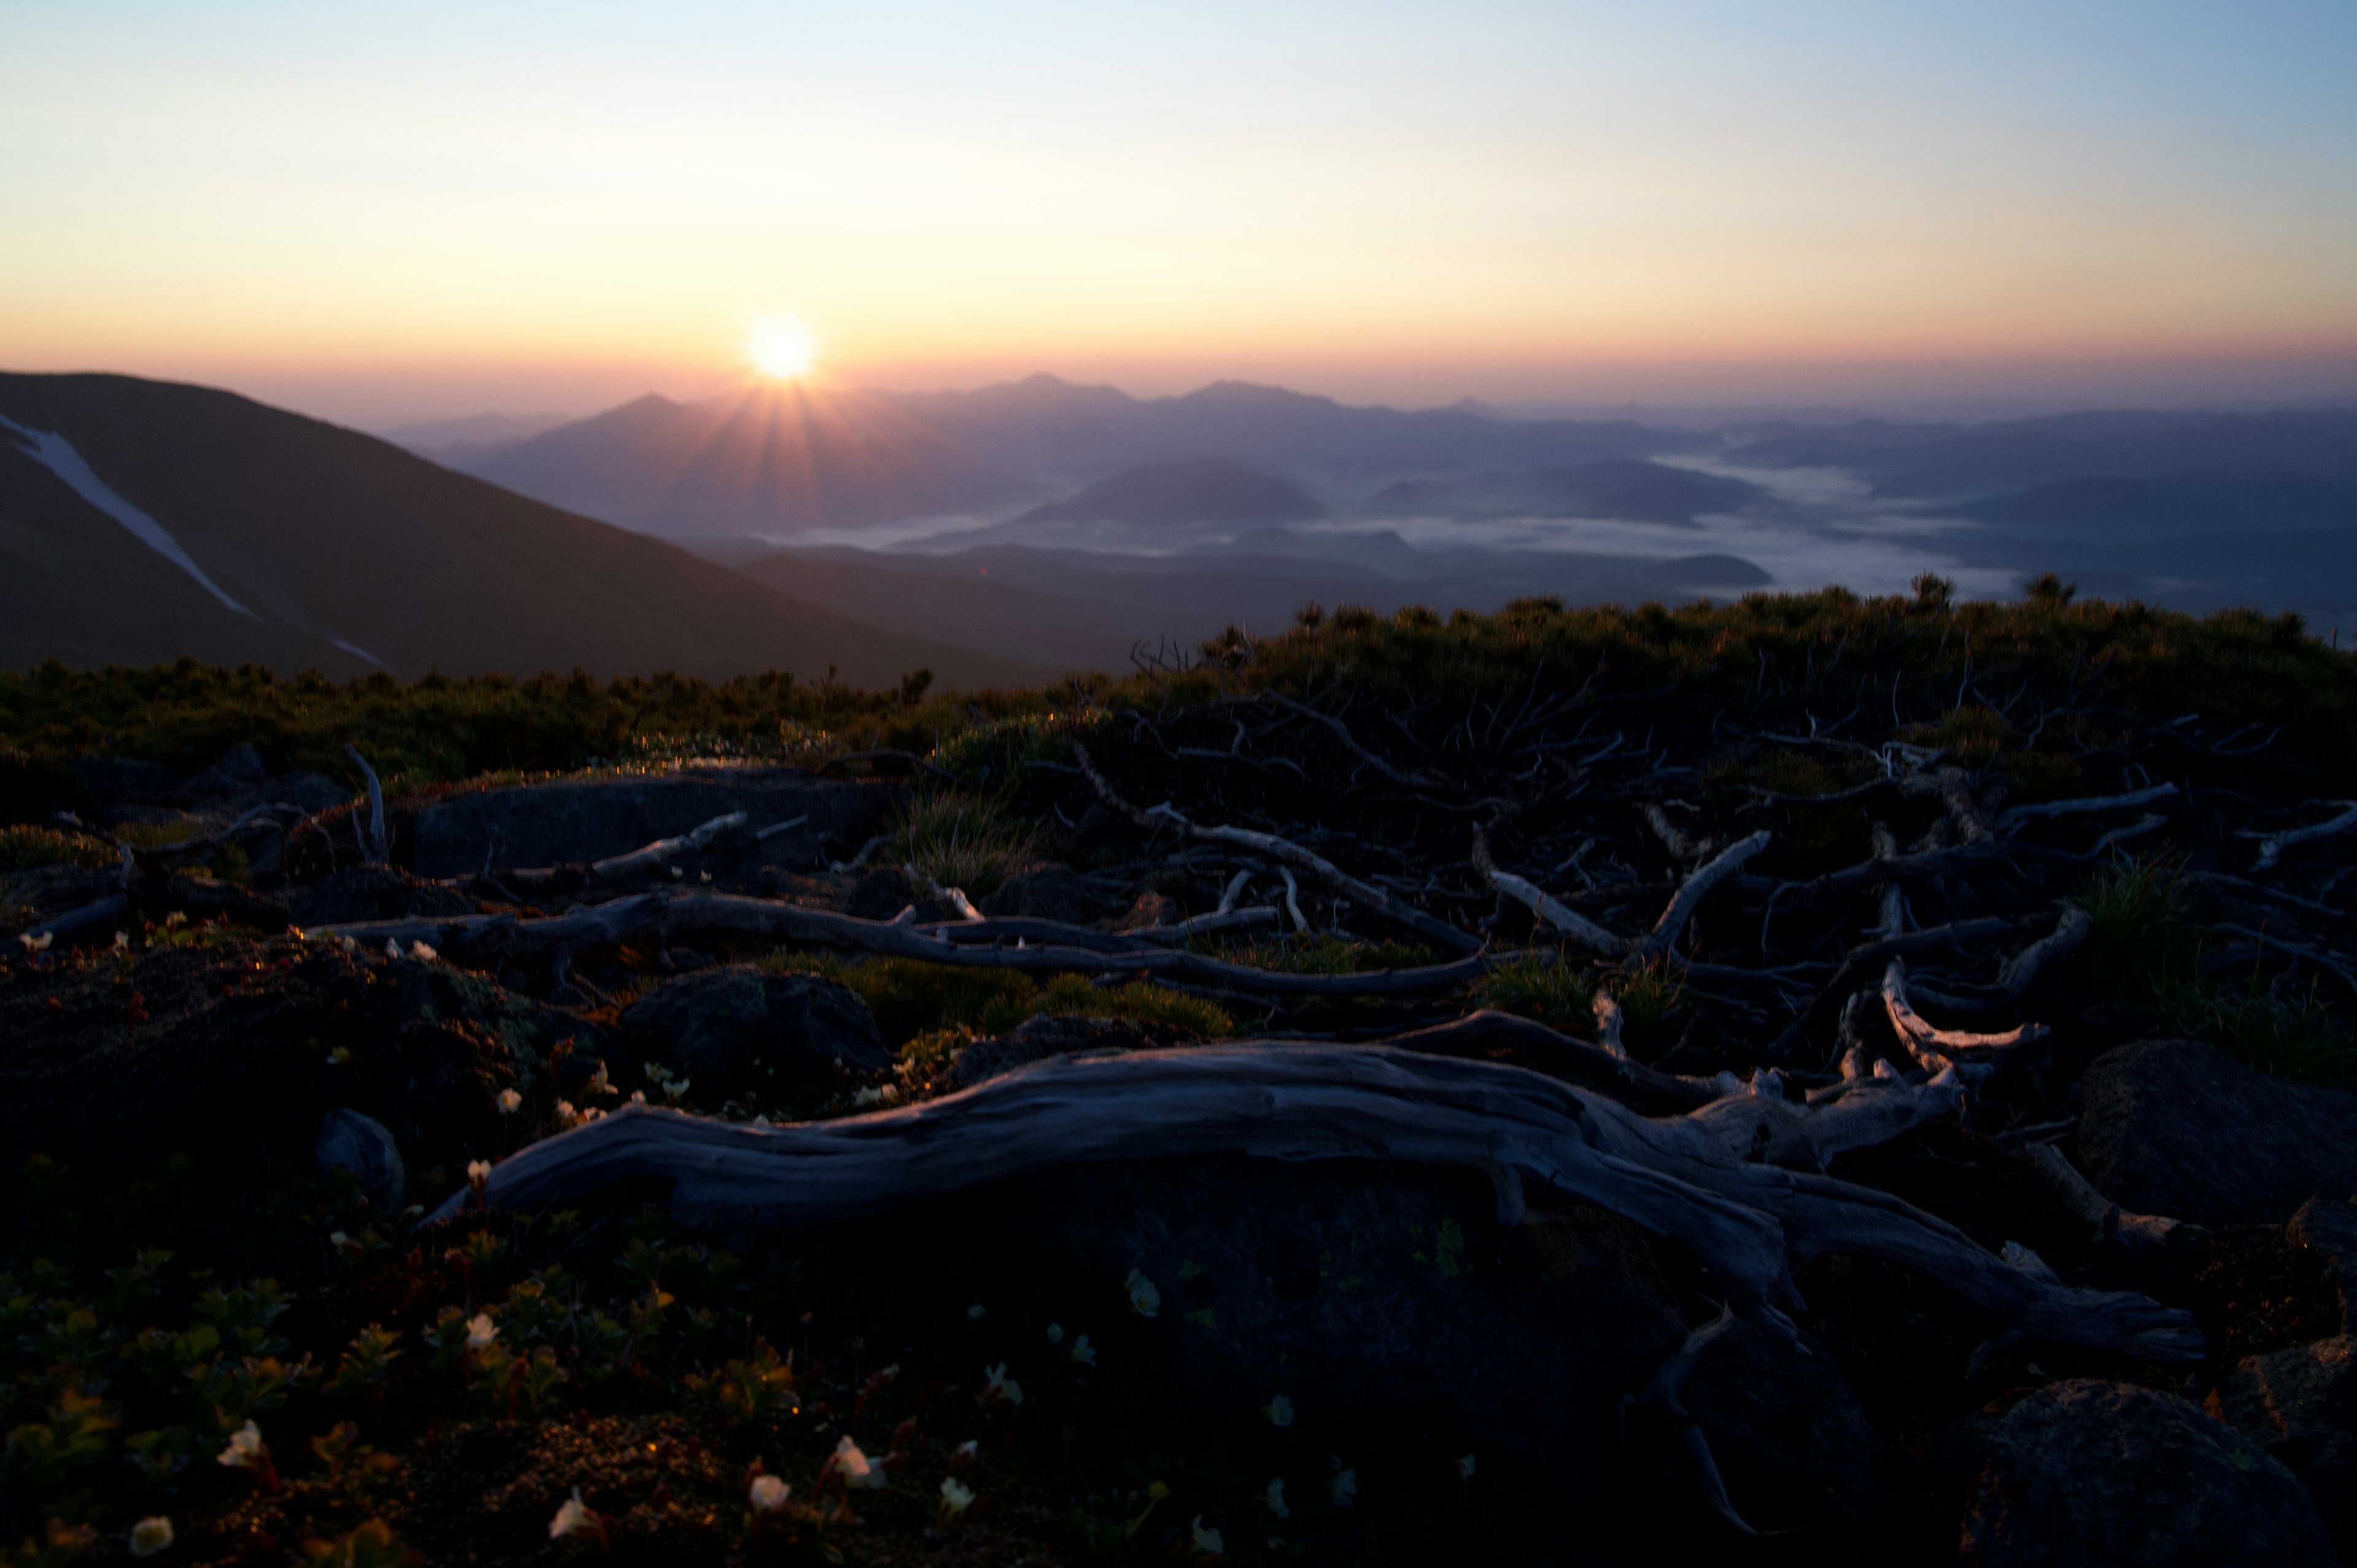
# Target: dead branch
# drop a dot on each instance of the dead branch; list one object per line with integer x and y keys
{"x": 2010, "y": 821}
{"x": 1478, "y": 1035}
{"x": 2137, "y": 1233}
{"x": 1659, "y": 941}
{"x": 1953, "y": 789}
{"x": 373, "y": 843}
{"x": 1577, "y": 927}
{"x": 1342, "y": 731}
{"x": 2023, "y": 967}
{"x": 658, "y": 855}
{"x": 1860, "y": 962}
{"x": 675, "y": 915}
{"x": 1285, "y": 852}
{"x": 1933, "y": 1046}
{"x": 1680, "y": 846}
{"x": 99, "y": 914}
{"x": 2272, "y": 845}
{"x": 1746, "y": 1221}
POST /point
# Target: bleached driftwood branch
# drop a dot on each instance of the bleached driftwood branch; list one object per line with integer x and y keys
{"x": 679, "y": 913}
{"x": 2272, "y": 845}
{"x": 1659, "y": 941}
{"x": 1285, "y": 853}
{"x": 372, "y": 841}
{"x": 2138, "y": 1232}
{"x": 1750, "y": 1222}
{"x": 658, "y": 855}
{"x": 1528, "y": 893}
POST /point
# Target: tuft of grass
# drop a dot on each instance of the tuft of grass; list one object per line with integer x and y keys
{"x": 26, "y": 848}
{"x": 1542, "y": 986}
{"x": 1648, "y": 996}
{"x": 1138, "y": 1001}
{"x": 971, "y": 841}
{"x": 2144, "y": 949}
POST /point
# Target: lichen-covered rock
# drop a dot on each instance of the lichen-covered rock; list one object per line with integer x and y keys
{"x": 373, "y": 893}
{"x": 1787, "y": 1432}
{"x": 1043, "y": 893}
{"x": 1036, "y": 1039}
{"x": 733, "y": 1028}
{"x": 2300, "y": 1405}
{"x": 2178, "y": 1128}
{"x": 2088, "y": 1472}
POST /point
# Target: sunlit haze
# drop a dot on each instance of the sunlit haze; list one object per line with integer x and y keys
{"x": 380, "y": 213}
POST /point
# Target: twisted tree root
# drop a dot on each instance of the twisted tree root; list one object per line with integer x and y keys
{"x": 1691, "y": 1178}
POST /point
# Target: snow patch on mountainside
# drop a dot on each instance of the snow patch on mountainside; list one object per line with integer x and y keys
{"x": 56, "y": 453}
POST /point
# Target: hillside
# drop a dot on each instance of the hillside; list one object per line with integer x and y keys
{"x": 1625, "y": 488}
{"x": 1185, "y": 491}
{"x": 326, "y": 548}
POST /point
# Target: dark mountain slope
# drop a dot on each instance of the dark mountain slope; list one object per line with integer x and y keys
{"x": 2128, "y": 510}
{"x": 1616, "y": 487}
{"x": 328, "y": 534}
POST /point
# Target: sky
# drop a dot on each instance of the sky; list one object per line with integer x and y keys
{"x": 380, "y": 213}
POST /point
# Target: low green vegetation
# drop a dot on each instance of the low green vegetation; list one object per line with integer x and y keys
{"x": 1544, "y": 986}
{"x": 915, "y": 1002}
{"x": 28, "y": 848}
{"x": 2145, "y": 950}
{"x": 1318, "y": 952}
{"x": 971, "y": 841}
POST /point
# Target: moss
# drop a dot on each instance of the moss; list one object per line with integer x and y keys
{"x": 1318, "y": 953}
{"x": 25, "y": 848}
{"x": 928, "y": 1009}
{"x": 1544, "y": 986}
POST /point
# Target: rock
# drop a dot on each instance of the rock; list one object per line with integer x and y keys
{"x": 111, "y": 780}
{"x": 2300, "y": 1405}
{"x": 1036, "y": 1039}
{"x": 372, "y": 892}
{"x": 313, "y": 792}
{"x": 2178, "y": 1128}
{"x": 1380, "y": 1300}
{"x": 1788, "y": 1434}
{"x": 881, "y": 894}
{"x": 1045, "y": 892}
{"x": 576, "y": 821}
{"x": 2086, "y": 1471}
{"x": 2328, "y": 1228}
{"x": 363, "y": 1145}
{"x": 1151, "y": 910}
{"x": 735, "y": 1028}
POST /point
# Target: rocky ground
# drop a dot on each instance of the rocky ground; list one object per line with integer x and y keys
{"x": 254, "y": 1033}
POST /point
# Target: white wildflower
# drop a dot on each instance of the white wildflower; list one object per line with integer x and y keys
{"x": 769, "y": 1494}
{"x": 1144, "y": 1299}
{"x": 854, "y": 1467}
{"x": 478, "y": 1176}
{"x": 392, "y": 948}
{"x": 956, "y": 1496}
{"x": 510, "y": 1101}
{"x": 1000, "y": 1389}
{"x": 1208, "y": 1542}
{"x": 573, "y": 1519}
{"x": 123, "y": 941}
{"x": 1083, "y": 1353}
{"x": 481, "y": 1332}
{"x": 423, "y": 953}
{"x": 566, "y": 1114}
{"x": 38, "y": 944}
{"x": 246, "y": 1450}
{"x": 965, "y": 1453}
{"x": 973, "y": 1313}
{"x": 1346, "y": 1489}
{"x": 1279, "y": 1411}
{"x": 638, "y": 1096}
{"x": 150, "y": 1536}
{"x": 1272, "y": 1498}
{"x": 1055, "y": 1334}
{"x": 1465, "y": 1467}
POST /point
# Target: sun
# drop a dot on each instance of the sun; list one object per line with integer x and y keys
{"x": 781, "y": 349}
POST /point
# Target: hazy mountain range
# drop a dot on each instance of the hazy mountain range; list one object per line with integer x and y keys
{"x": 995, "y": 536}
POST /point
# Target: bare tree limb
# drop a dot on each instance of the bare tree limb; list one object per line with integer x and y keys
{"x": 2272, "y": 845}
{"x": 1688, "y": 898}
{"x": 1285, "y": 852}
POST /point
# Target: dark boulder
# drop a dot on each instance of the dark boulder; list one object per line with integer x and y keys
{"x": 1060, "y": 1034}
{"x": 112, "y": 780}
{"x": 239, "y": 771}
{"x": 312, "y": 792}
{"x": 2178, "y": 1128}
{"x": 1787, "y": 1432}
{"x": 2326, "y": 1228}
{"x": 1383, "y": 1301}
{"x": 350, "y": 1140}
{"x": 1043, "y": 893}
{"x": 373, "y": 893}
{"x": 575, "y": 820}
{"x": 881, "y": 894}
{"x": 2300, "y": 1405}
{"x": 2087, "y": 1472}
{"x": 733, "y": 1028}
